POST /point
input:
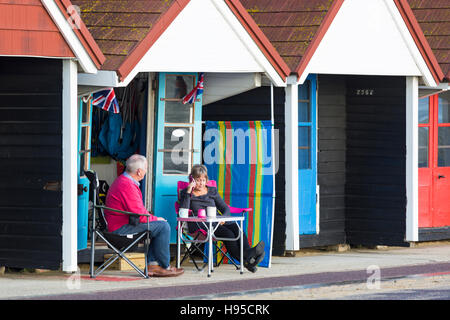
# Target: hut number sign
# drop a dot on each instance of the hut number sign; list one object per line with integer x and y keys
{"x": 365, "y": 92}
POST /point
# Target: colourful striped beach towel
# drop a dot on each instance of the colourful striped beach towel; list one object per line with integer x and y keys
{"x": 238, "y": 155}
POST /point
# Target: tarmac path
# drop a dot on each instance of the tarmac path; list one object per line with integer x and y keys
{"x": 251, "y": 287}
{"x": 415, "y": 287}
{"x": 307, "y": 275}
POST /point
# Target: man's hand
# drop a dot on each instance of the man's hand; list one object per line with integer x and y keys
{"x": 160, "y": 219}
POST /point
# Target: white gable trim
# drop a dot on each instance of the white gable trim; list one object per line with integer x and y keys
{"x": 368, "y": 38}
{"x": 103, "y": 78}
{"x": 206, "y": 37}
{"x": 69, "y": 35}
{"x": 427, "y": 77}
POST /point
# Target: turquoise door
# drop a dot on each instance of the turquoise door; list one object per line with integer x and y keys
{"x": 307, "y": 155}
{"x": 84, "y": 163}
{"x": 178, "y": 141}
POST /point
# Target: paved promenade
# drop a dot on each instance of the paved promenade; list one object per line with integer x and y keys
{"x": 305, "y": 269}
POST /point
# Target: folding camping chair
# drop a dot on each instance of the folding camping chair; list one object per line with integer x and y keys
{"x": 120, "y": 244}
{"x": 192, "y": 241}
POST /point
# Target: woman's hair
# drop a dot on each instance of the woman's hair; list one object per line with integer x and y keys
{"x": 135, "y": 162}
{"x": 199, "y": 170}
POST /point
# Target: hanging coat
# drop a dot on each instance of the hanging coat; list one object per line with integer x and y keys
{"x": 120, "y": 142}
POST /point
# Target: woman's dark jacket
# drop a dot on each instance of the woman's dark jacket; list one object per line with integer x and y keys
{"x": 211, "y": 199}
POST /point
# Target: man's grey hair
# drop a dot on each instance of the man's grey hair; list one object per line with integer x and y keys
{"x": 135, "y": 162}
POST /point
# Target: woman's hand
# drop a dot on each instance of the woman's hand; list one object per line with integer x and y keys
{"x": 191, "y": 186}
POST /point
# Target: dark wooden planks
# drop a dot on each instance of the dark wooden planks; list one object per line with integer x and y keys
{"x": 375, "y": 161}
{"x": 331, "y": 166}
{"x": 434, "y": 234}
{"x": 30, "y": 157}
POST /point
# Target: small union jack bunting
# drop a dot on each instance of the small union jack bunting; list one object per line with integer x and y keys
{"x": 106, "y": 99}
{"x": 197, "y": 91}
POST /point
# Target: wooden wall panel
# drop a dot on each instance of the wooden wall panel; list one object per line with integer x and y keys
{"x": 375, "y": 161}
{"x": 30, "y": 156}
{"x": 331, "y": 166}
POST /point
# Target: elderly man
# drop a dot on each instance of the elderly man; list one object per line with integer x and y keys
{"x": 124, "y": 194}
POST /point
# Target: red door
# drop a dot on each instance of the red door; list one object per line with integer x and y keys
{"x": 434, "y": 161}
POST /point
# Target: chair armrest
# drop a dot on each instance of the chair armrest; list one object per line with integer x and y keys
{"x": 124, "y": 212}
{"x": 240, "y": 210}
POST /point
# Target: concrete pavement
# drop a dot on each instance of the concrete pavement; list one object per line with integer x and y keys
{"x": 305, "y": 267}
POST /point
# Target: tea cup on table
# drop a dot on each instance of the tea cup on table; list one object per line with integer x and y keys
{"x": 211, "y": 212}
{"x": 183, "y": 213}
{"x": 201, "y": 213}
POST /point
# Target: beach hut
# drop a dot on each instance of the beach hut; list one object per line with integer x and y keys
{"x": 172, "y": 44}
{"x": 353, "y": 90}
{"x": 348, "y": 120}
{"x": 43, "y": 46}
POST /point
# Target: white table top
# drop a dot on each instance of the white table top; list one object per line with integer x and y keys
{"x": 210, "y": 219}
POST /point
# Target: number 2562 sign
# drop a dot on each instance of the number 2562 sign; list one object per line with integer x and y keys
{"x": 365, "y": 92}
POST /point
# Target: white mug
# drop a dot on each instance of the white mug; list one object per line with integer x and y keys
{"x": 211, "y": 212}
{"x": 183, "y": 213}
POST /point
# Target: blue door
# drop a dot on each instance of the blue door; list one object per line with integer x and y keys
{"x": 84, "y": 163}
{"x": 178, "y": 141}
{"x": 307, "y": 155}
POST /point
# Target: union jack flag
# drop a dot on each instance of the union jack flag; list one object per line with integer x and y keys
{"x": 198, "y": 90}
{"x": 106, "y": 99}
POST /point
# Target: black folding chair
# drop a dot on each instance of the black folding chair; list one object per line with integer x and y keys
{"x": 193, "y": 242}
{"x": 120, "y": 244}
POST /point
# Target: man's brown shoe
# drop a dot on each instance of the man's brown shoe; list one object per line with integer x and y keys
{"x": 158, "y": 271}
{"x": 179, "y": 271}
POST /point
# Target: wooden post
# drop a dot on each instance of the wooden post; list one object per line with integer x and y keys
{"x": 412, "y": 159}
{"x": 291, "y": 151}
{"x": 69, "y": 183}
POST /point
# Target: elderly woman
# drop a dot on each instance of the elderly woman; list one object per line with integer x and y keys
{"x": 199, "y": 196}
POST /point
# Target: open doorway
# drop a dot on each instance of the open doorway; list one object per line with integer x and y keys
{"x": 106, "y": 139}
